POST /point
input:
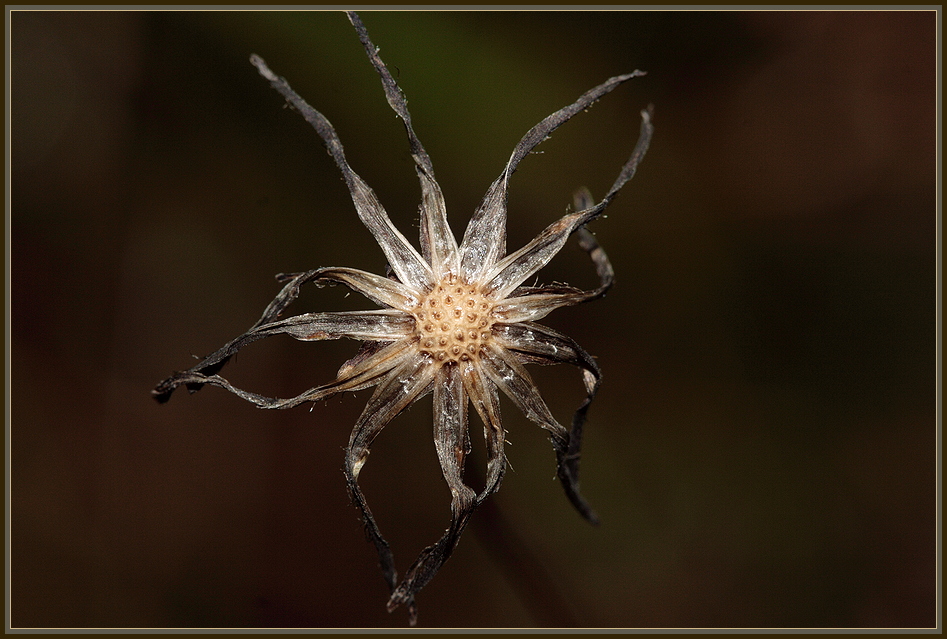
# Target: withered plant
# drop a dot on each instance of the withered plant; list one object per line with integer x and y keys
{"x": 456, "y": 320}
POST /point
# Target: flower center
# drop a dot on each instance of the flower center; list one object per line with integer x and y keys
{"x": 453, "y": 321}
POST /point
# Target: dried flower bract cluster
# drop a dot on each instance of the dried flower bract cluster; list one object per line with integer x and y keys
{"x": 456, "y": 321}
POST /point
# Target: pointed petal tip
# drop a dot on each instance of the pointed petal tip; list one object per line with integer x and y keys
{"x": 261, "y": 66}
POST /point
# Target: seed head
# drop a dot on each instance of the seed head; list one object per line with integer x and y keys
{"x": 455, "y": 320}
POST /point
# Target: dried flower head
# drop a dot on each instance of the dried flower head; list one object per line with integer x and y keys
{"x": 456, "y": 320}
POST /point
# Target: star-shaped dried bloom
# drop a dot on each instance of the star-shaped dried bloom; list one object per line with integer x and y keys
{"x": 456, "y": 321}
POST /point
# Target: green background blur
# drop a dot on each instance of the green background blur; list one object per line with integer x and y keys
{"x": 761, "y": 453}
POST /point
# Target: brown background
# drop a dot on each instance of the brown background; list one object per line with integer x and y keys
{"x": 761, "y": 452}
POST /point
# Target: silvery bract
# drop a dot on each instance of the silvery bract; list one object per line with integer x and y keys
{"x": 456, "y": 320}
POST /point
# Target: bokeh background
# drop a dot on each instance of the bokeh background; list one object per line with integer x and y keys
{"x": 762, "y": 452}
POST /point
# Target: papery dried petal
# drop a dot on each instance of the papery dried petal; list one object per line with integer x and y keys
{"x": 381, "y": 290}
{"x": 537, "y": 344}
{"x": 450, "y": 436}
{"x": 513, "y": 270}
{"x": 400, "y": 388}
{"x": 438, "y": 245}
{"x": 365, "y": 375}
{"x": 483, "y": 395}
{"x": 537, "y": 305}
{"x": 510, "y": 376}
{"x": 403, "y": 258}
{"x": 385, "y": 325}
{"x": 485, "y": 238}
{"x": 211, "y": 364}
{"x": 533, "y": 303}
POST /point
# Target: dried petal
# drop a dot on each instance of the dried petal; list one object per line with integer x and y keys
{"x": 402, "y": 257}
{"x": 483, "y": 394}
{"x": 362, "y": 325}
{"x": 510, "y": 376}
{"x": 404, "y": 385}
{"x": 485, "y": 239}
{"x": 537, "y": 344}
{"x": 450, "y": 436}
{"x": 510, "y": 272}
{"x": 381, "y": 290}
{"x": 534, "y": 303}
{"x": 438, "y": 245}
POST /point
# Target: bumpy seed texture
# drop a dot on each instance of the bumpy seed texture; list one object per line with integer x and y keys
{"x": 455, "y": 320}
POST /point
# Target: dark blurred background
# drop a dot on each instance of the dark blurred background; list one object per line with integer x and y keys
{"x": 762, "y": 451}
